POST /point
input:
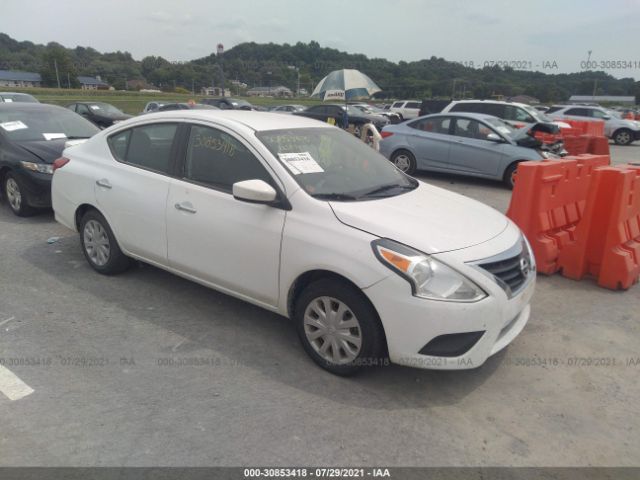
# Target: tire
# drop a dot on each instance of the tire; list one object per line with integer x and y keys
{"x": 99, "y": 245}
{"x": 510, "y": 175}
{"x": 623, "y": 136}
{"x": 14, "y": 189}
{"x": 360, "y": 342}
{"x": 405, "y": 161}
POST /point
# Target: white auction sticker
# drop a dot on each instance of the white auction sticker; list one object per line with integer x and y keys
{"x": 301, "y": 162}
{"x": 53, "y": 136}
{"x": 11, "y": 126}
{"x": 95, "y": 107}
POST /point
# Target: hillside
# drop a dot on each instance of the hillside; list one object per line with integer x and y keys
{"x": 271, "y": 64}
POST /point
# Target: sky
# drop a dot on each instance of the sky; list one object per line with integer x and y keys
{"x": 552, "y": 36}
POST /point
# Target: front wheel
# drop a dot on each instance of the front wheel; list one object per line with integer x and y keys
{"x": 338, "y": 327}
{"x": 623, "y": 137}
{"x": 14, "y": 191}
{"x": 99, "y": 245}
{"x": 405, "y": 161}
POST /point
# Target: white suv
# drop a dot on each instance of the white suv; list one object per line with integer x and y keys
{"x": 621, "y": 131}
{"x": 516, "y": 114}
{"x": 406, "y": 108}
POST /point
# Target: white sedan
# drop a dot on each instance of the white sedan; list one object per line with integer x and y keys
{"x": 304, "y": 220}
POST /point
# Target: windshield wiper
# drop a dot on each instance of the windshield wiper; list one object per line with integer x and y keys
{"x": 334, "y": 196}
{"x": 384, "y": 188}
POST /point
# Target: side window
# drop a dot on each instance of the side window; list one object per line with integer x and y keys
{"x": 82, "y": 109}
{"x": 317, "y": 109}
{"x": 119, "y": 143}
{"x": 598, "y": 114}
{"x": 397, "y": 105}
{"x": 578, "y": 112}
{"x": 462, "y": 107}
{"x": 468, "y": 128}
{"x": 433, "y": 125}
{"x": 147, "y": 147}
{"x": 413, "y": 105}
{"x": 216, "y": 159}
{"x": 494, "y": 109}
{"x": 335, "y": 112}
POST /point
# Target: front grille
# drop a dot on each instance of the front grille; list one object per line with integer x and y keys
{"x": 511, "y": 269}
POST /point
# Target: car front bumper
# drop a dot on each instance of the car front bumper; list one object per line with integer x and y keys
{"x": 471, "y": 332}
{"x": 37, "y": 187}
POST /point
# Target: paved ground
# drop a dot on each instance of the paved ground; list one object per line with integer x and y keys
{"x": 565, "y": 393}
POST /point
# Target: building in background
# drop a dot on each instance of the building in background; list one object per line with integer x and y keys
{"x": 277, "y": 91}
{"x": 14, "y": 78}
{"x": 91, "y": 83}
{"x": 215, "y": 92}
{"x": 617, "y": 99}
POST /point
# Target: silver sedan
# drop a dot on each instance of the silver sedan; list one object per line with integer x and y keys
{"x": 462, "y": 143}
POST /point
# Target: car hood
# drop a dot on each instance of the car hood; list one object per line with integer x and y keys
{"x": 525, "y": 136}
{"x": 45, "y": 150}
{"x": 428, "y": 218}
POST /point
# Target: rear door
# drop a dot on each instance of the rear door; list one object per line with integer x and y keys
{"x": 213, "y": 237}
{"x": 430, "y": 140}
{"x": 471, "y": 152}
{"x": 132, "y": 190}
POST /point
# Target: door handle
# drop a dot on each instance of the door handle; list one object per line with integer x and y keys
{"x": 185, "y": 207}
{"x": 103, "y": 182}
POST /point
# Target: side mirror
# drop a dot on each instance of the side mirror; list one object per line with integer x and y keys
{"x": 254, "y": 191}
{"x": 494, "y": 137}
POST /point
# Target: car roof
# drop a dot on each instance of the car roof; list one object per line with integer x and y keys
{"x": 474, "y": 116}
{"x": 30, "y": 106}
{"x": 499, "y": 102}
{"x": 258, "y": 121}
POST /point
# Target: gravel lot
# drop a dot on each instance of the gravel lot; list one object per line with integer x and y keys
{"x": 149, "y": 369}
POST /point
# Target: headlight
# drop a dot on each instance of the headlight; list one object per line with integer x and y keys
{"x": 38, "y": 167}
{"x": 545, "y": 154}
{"x": 428, "y": 277}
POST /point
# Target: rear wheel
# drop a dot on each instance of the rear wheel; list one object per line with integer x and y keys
{"x": 14, "y": 191}
{"x": 99, "y": 245}
{"x": 405, "y": 161}
{"x": 510, "y": 175}
{"x": 623, "y": 137}
{"x": 338, "y": 327}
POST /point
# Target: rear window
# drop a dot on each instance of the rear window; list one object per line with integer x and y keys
{"x": 413, "y": 105}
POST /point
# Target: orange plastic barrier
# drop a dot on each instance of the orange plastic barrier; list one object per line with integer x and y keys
{"x": 607, "y": 240}
{"x": 599, "y": 145}
{"x": 587, "y": 127}
{"x": 576, "y": 145}
{"x": 547, "y": 203}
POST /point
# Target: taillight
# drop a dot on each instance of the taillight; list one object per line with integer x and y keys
{"x": 384, "y": 134}
{"x": 59, "y": 163}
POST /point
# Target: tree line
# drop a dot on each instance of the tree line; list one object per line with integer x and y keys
{"x": 302, "y": 64}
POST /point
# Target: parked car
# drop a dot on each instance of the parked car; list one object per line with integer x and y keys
{"x": 101, "y": 114}
{"x": 374, "y": 110}
{"x": 407, "y": 109}
{"x": 287, "y": 108}
{"x": 9, "y": 97}
{"x": 152, "y": 106}
{"x": 32, "y": 136}
{"x": 185, "y": 106}
{"x": 517, "y": 115}
{"x": 226, "y": 103}
{"x": 302, "y": 219}
{"x": 464, "y": 144}
{"x": 620, "y": 130}
{"x": 432, "y": 106}
{"x": 336, "y": 111}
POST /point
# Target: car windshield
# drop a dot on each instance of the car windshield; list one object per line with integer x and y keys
{"x": 331, "y": 164}
{"x": 17, "y": 97}
{"x": 105, "y": 109}
{"x": 537, "y": 115}
{"x": 44, "y": 124}
{"x": 500, "y": 125}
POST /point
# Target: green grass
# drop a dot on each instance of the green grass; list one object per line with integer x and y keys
{"x": 134, "y": 102}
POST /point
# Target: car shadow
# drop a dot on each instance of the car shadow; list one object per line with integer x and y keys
{"x": 40, "y": 216}
{"x": 453, "y": 179}
{"x": 243, "y": 335}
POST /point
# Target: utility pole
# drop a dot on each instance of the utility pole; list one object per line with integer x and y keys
{"x": 68, "y": 81}
{"x": 220, "y": 51}
{"x": 55, "y": 64}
